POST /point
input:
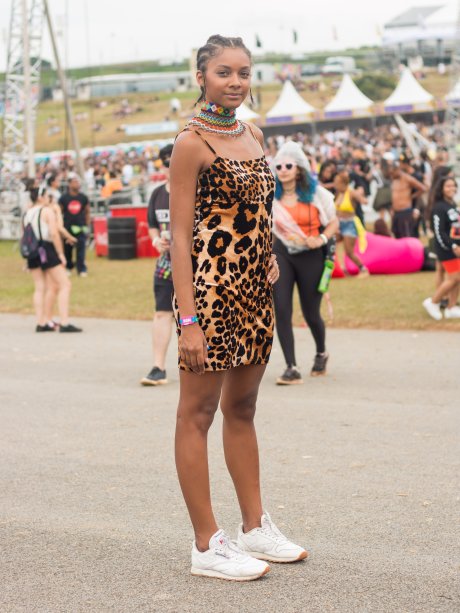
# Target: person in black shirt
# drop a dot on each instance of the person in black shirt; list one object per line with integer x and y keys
{"x": 159, "y": 230}
{"x": 418, "y": 205}
{"x": 77, "y": 218}
{"x": 445, "y": 223}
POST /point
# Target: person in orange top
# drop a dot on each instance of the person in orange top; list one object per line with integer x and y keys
{"x": 114, "y": 184}
{"x": 304, "y": 223}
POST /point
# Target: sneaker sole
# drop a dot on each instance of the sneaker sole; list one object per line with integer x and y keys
{"x": 432, "y": 315}
{"x": 318, "y": 374}
{"x": 282, "y": 382}
{"x": 215, "y": 574}
{"x": 267, "y": 558}
{"x": 147, "y": 382}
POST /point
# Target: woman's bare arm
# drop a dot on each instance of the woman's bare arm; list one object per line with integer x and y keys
{"x": 185, "y": 167}
{"x": 60, "y": 224}
{"x": 50, "y": 219}
{"x": 187, "y": 160}
{"x": 358, "y": 195}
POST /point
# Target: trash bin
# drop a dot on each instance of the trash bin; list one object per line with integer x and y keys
{"x": 122, "y": 238}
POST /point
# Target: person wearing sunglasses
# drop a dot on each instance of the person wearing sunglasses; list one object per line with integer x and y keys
{"x": 159, "y": 230}
{"x": 304, "y": 223}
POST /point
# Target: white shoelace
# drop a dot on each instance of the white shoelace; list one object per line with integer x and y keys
{"x": 229, "y": 549}
{"x": 273, "y": 532}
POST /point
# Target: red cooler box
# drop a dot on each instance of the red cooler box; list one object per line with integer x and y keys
{"x": 145, "y": 248}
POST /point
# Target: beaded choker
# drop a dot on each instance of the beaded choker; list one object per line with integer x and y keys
{"x": 218, "y": 119}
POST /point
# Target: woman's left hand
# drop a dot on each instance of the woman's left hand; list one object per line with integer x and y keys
{"x": 314, "y": 242}
{"x": 273, "y": 271}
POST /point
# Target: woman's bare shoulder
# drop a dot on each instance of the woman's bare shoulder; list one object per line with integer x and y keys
{"x": 188, "y": 141}
{"x": 189, "y": 151}
{"x": 257, "y": 133}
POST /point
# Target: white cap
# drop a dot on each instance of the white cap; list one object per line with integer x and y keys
{"x": 294, "y": 151}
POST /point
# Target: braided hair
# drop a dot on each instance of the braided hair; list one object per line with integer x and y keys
{"x": 213, "y": 47}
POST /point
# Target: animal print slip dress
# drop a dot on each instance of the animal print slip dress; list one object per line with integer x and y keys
{"x": 231, "y": 249}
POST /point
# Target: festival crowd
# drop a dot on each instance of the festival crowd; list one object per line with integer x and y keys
{"x": 366, "y": 170}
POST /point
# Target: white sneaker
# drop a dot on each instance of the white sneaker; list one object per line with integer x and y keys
{"x": 224, "y": 560}
{"x": 452, "y": 313}
{"x": 433, "y": 310}
{"x": 268, "y": 543}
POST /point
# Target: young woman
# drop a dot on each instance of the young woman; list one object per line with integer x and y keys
{"x": 223, "y": 271}
{"x": 51, "y": 198}
{"x": 439, "y": 173}
{"x": 445, "y": 222}
{"x": 48, "y": 269}
{"x": 326, "y": 175}
{"x": 346, "y": 200}
{"x": 311, "y": 217}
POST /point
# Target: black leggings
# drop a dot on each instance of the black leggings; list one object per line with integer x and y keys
{"x": 305, "y": 270}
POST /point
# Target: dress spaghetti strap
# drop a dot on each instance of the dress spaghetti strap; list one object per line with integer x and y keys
{"x": 254, "y": 136}
{"x": 201, "y": 136}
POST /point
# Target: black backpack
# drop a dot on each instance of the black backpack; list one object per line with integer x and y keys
{"x": 29, "y": 243}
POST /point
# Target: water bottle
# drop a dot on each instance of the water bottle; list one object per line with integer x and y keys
{"x": 326, "y": 276}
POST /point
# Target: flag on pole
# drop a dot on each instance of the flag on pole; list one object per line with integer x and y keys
{"x": 294, "y": 36}
{"x": 258, "y": 41}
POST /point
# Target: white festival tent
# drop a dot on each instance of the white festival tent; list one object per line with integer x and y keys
{"x": 244, "y": 113}
{"x": 409, "y": 96}
{"x": 349, "y": 101}
{"x": 290, "y": 107}
{"x": 453, "y": 97}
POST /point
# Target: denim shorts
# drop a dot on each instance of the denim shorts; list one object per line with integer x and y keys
{"x": 347, "y": 227}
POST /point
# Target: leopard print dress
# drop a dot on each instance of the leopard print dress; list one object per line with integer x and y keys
{"x": 231, "y": 249}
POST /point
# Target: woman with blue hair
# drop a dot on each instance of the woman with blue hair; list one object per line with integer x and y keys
{"x": 304, "y": 223}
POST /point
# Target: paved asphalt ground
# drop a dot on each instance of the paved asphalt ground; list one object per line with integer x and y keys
{"x": 362, "y": 467}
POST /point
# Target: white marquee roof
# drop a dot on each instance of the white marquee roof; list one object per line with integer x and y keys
{"x": 244, "y": 113}
{"x": 409, "y": 95}
{"x": 348, "y": 101}
{"x": 453, "y": 97}
{"x": 289, "y": 107}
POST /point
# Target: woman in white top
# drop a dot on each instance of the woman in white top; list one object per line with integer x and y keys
{"x": 48, "y": 268}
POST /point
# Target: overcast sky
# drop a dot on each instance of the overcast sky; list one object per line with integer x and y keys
{"x": 108, "y": 31}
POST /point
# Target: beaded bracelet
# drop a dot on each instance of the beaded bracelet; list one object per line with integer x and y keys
{"x": 188, "y": 321}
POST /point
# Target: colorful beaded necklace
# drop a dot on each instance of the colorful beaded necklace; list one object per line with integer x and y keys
{"x": 218, "y": 119}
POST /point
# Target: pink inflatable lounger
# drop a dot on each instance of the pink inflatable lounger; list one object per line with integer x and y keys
{"x": 389, "y": 256}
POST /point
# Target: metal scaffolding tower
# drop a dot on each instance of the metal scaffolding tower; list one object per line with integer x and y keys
{"x": 452, "y": 117}
{"x": 22, "y": 88}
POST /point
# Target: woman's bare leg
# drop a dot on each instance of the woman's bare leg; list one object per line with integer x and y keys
{"x": 39, "y": 295}
{"x": 447, "y": 288}
{"x": 161, "y": 335}
{"x": 349, "y": 245}
{"x": 58, "y": 276}
{"x": 238, "y": 404}
{"x": 453, "y": 297}
{"x": 198, "y": 402}
{"x": 439, "y": 277}
{"x": 50, "y": 298}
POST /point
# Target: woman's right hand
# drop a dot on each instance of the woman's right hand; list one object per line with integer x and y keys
{"x": 193, "y": 348}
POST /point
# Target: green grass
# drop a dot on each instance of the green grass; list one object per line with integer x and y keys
{"x": 123, "y": 290}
